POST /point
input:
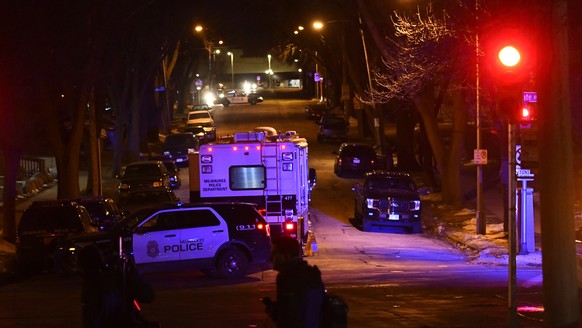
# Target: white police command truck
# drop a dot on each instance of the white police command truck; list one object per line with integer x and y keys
{"x": 221, "y": 238}
{"x": 269, "y": 170}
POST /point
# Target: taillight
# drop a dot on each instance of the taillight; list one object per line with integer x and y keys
{"x": 263, "y": 212}
{"x": 289, "y": 226}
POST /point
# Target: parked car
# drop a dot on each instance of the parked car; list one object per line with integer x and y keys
{"x": 103, "y": 210}
{"x": 42, "y": 229}
{"x": 203, "y": 119}
{"x": 137, "y": 200}
{"x": 220, "y": 239}
{"x": 332, "y": 128}
{"x": 143, "y": 176}
{"x": 355, "y": 159}
{"x": 201, "y": 107}
{"x": 316, "y": 111}
{"x": 386, "y": 199}
{"x": 201, "y": 134}
{"x": 177, "y": 146}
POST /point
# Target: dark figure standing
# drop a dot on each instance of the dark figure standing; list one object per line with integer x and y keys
{"x": 108, "y": 292}
{"x": 300, "y": 290}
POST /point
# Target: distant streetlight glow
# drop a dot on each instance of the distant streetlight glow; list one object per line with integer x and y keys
{"x": 317, "y": 25}
{"x": 198, "y": 28}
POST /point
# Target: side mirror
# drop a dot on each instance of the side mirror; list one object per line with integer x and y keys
{"x": 423, "y": 191}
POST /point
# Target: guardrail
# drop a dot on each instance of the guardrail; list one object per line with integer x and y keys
{"x": 29, "y": 166}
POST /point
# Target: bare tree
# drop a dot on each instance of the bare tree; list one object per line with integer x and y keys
{"x": 425, "y": 69}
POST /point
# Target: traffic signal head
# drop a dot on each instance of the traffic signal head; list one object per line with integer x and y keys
{"x": 509, "y": 55}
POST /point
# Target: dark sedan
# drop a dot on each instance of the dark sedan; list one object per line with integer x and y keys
{"x": 387, "y": 199}
{"x": 355, "y": 159}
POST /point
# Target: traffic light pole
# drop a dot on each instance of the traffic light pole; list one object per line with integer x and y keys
{"x": 512, "y": 245}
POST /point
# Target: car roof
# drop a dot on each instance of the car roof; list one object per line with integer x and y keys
{"x": 152, "y": 162}
{"x": 386, "y": 173}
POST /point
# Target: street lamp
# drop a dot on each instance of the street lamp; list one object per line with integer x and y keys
{"x": 208, "y": 45}
{"x": 231, "y": 68}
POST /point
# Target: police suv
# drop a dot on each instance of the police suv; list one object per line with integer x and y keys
{"x": 217, "y": 238}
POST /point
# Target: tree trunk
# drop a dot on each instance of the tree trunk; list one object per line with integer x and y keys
{"x": 559, "y": 259}
{"x": 12, "y": 164}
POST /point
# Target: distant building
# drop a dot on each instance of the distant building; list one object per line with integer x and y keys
{"x": 254, "y": 70}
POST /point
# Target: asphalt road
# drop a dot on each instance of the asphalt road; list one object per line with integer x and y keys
{"x": 388, "y": 279}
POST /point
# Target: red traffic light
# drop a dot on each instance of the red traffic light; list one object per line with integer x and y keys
{"x": 527, "y": 112}
{"x": 509, "y": 56}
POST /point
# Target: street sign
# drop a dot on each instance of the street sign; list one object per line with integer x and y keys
{"x": 480, "y": 156}
{"x": 521, "y": 173}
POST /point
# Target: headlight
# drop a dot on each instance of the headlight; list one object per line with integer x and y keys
{"x": 191, "y": 150}
{"x": 166, "y": 153}
{"x": 371, "y": 202}
{"x": 157, "y": 184}
{"x": 415, "y": 205}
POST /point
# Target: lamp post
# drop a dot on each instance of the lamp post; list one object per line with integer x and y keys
{"x": 209, "y": 46}
{"x": 231, "y": 69}
{"x": 269, "y": 72}
{"x": 379, "y": 135}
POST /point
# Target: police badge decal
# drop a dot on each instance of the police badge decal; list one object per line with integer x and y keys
{"x": 153, "y": 249}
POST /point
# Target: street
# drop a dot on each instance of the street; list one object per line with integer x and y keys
{"x": 388, "y": 279}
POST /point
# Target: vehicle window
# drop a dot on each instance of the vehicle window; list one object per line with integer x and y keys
{"x": 198, "y": 115}
{"x": 197, "y": 218}
{"x": 334, "y": 124}
{"x": 147, "y": 197}
{"x": 185, "y": 140}
{"x": 162, "y": 221}
{"x": 50, "y": 219}
{"x": 386, "y": 184}
{"x": 85, "y": 218}
{"x": 239, "y": 214}
{"x": 247, "y": 177}
{"x": 141, "y": 171}
{"x": 358, "y": 151}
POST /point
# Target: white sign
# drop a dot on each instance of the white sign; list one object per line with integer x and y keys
{"x": 521, "y": 173}
{"x": 480, "y": 156}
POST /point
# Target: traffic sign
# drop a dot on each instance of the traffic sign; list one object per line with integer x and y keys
{"x": 480, "y": 156}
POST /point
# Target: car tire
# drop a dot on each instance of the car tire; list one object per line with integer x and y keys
{"x": 416, "y": 228}
{"x": 232, "y": 263}
{"x": 366, "y": 225}
{"x": 253, "y": 101}
{"x": 357, "y": 216}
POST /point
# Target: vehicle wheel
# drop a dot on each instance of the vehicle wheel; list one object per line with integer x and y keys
{"x": 253, "y": 101}
{"x": 366, "y": 225}
{"x": 357, "y": 216}
{"x": 232, "y": 263}
{"x": 226, "y": 103}
{"x": 416, "y": 228}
